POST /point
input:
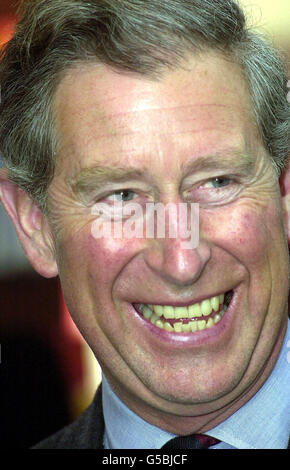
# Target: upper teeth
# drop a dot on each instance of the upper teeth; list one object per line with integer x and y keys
{"x": 203, "y": 308}
{"x": 153, "y": 313}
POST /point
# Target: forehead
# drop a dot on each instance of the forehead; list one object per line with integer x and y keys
{"x": 104, "y": 116}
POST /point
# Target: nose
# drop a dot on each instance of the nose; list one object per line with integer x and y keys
{"x": 176, "y": 260}
{"x": 176, "y": 264}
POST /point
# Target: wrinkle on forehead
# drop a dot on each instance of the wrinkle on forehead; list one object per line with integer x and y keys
{"x": 119, "y": 94}
{"x": 104, "y": 116}
{"x": 155, "y": 133}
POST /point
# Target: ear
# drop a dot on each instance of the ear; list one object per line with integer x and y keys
{"x": 284, "y": 182}
{"x": 31, "y": 226}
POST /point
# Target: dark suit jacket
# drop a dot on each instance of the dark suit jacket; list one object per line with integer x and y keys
{"x": 86, "y": 432}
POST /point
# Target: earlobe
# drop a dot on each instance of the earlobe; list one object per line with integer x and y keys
{"x": 284, "y": 182}
{"x": 31, "y": 226}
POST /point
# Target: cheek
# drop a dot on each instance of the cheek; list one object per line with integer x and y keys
{"x": 89, "y": 271}
{"x": 82, "y": 251}
{"x": 246, "y": 233}
{"x": 106, "y": 258}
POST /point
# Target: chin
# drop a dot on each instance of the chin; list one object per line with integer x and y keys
{"x": 189, "y": 390}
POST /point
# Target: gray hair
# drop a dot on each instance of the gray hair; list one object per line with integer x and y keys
{"x": 140, "y": 36}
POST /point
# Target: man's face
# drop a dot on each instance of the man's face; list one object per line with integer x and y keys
{"x": 188, "y": 137}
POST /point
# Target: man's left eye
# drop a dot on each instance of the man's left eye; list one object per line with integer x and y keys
{"x": 122, "y": 196}
{"x": 218, "y": 182}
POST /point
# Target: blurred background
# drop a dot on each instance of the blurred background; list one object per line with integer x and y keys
{"x": 48, "y": 375}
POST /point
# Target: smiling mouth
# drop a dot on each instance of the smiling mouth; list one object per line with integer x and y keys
{"x": 189, "y": 319}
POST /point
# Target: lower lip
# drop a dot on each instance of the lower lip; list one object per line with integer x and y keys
{"x": 196, "y": 338}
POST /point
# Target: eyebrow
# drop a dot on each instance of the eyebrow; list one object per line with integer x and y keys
{"x": 243, "y": 162}
{"x": 94, "y": 178}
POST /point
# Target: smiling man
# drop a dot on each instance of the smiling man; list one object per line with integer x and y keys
{"x": 171, "y": 102}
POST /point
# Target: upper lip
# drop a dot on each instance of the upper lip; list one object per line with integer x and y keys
{"x": 175, "y": 303}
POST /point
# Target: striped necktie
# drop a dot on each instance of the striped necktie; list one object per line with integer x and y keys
{"x": 194, "y": 441}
